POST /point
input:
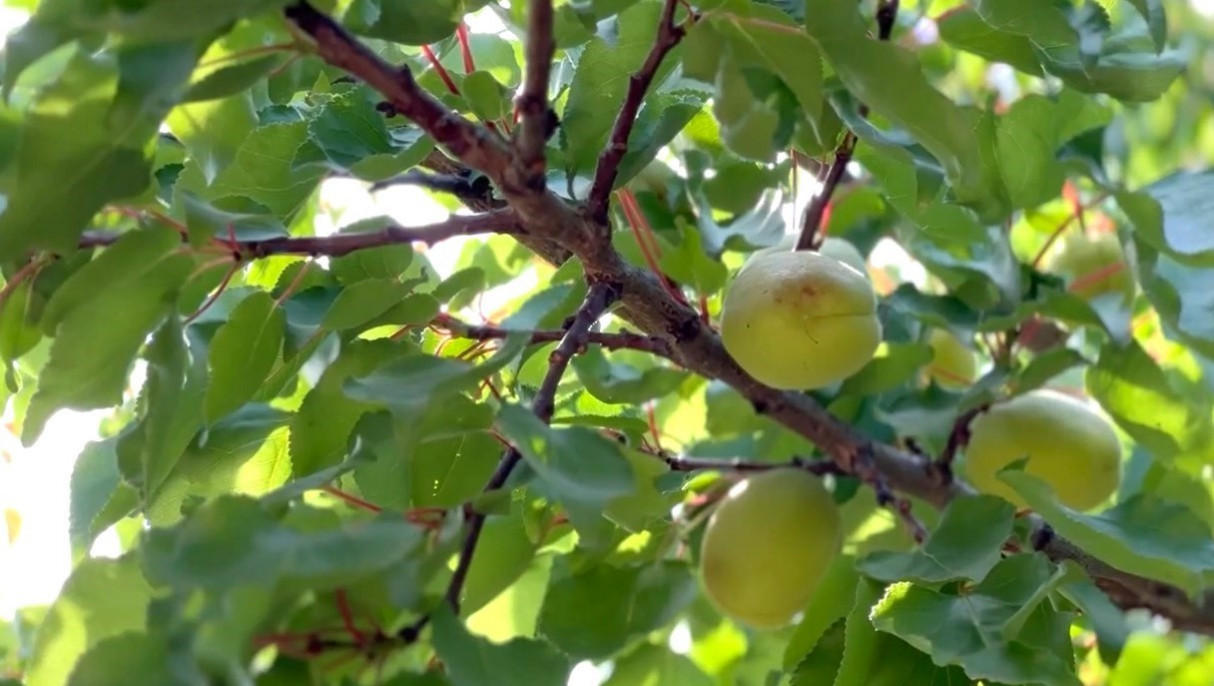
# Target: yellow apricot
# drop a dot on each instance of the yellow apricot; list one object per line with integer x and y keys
{"x": 800, "y": 320}
{"x": 1069, "y": 446}
{"x": 1093, "y": 265}
{"x": 953, "y": 365}
{"x": 767, "y": 546}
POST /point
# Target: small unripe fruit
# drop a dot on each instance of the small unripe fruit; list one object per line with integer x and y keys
{"x": 800, "y": 320}
{"x": 1093, "y": 265}
{"x": 767, "y": 546}
{"x": 1068, "y": 445}
{"x": 953, "y": 365}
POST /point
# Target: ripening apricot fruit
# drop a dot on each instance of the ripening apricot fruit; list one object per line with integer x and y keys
{"x": 1093, "y": 265}
{"x": 1068, "y": 445}
{"x": 767, "y": 546}
{"x": 953, "y": 365}
{"x": 800, "y": 320}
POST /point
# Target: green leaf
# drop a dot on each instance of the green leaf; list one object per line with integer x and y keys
{"x": 233, "y": 541}
{"x": 102, "y": 598}
{"x": 966, "y": 544}
{"x": 410, "y": 23}
{"x": 897, "y": 366}
{"x": 1108, "y": 620}
{"x": 96, "y": 489}
{"x": 1046, "y": 366}
{"x": 264, "y": 170}
{"x": 505, "y": 551}
{"x": 230, "y": 79}
{"x": 474, "y": 661}
{"x": 601, "y": 80}
{"x": 321, "y": 428}
{"x": 821, "y": 665}
{"x": 833, "y": 599}
{"x": 888, "y": 79}
{"x": 874, "y": 658}
{"x": 579, "y": 466}
{"x": 212, "y": 132}
{"x": 1142, "y": 535}
{"x": 363, "y": 301}
{"x": 488, "y": 99}
{"x": 19, "y": 314}
{"x": 70, "y": 163}
{"x": 174, "y": 394}
{"x": 654, "y": 665}
{"x": 242, "y": 354}
{"x": 244, "y": 452}
{"x": 1125, "y": 379}
{"x": 1153, "y": 12}
{"x": 95, "y": 344}
{"x": 1170, "y": 215}
{"x": 618, "y": 383}
{"x": 963, "y": 28}
{"x": 593, "y": 613}
{"x": 974, "y": 636}
{"x": 350, "y": 135}
{"x": 132, "y": 659}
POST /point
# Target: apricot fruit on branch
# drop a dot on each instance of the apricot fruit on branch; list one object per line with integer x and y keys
{"x": 800, "y": 320}
{"x": 1093, "y": 265}
{"x": 767, "y": 546}
{"x": 953, "y": 365}
{"x": 1068, "y": 445}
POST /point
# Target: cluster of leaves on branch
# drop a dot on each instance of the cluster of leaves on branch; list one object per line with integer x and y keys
{"x": 326, "y": 463}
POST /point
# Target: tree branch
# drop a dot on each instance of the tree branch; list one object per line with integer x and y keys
{"x": 600, "y": 296}
{"x": 696, "y": 347}
{"x": 685, "y": 463}
{"x": 464, "y": 186}
{"x": 624, "y": 340}
{"x": 811, "y": 221}
{"x": 336, "y": 245}
{"x": 535, "y": 116}
{"x": 608, "y": 167}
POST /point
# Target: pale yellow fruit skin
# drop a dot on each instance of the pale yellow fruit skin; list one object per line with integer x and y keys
{"x": 800, "y": 320}
{"x": 767, "y": 546}
{"x": 953, "y": 365}
{"x": 837, "y": 248}
{"x": 1069, "y": 446}
{"x": 1081, "y": 255}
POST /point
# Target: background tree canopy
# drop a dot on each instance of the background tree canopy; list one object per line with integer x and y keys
{"x": 328, "y": 464}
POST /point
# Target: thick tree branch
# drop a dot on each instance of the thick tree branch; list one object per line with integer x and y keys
{"x": 600, "y": 296}
{"x": 608, "y": 167}
{"x": 535, "y": 116}
{"x": 624, "y": 340}
{"x": 336, "y": 245}
{"x": 696, "y": 347}
{"x": 811, "y": 221}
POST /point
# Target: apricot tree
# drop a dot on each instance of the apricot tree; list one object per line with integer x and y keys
{"x": 335, "y": 456}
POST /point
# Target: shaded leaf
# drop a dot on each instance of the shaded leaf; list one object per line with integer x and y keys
{"x": 473, "y": 661}
{"x": 966, "y": 544}
{"x": 242, "y": 353}
{"x": 1143, "y": 535}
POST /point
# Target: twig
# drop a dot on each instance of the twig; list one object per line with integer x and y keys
{"x": 1076, "y": 215}
{"x": 463, "y": 186}
{"x": 30, "y": 269}
{"x": 600, "y": 296}
{"x": 497, "y": 221}
{"x": 608, "y": 167}
{"x": 535, "y": 116}
{"x": 623, "y": 340}
{"x": 811, "y": 221}
{"x": 684, "y": 463}
{"x": 471, "y": 144}
{"x": 958, "y": 438}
